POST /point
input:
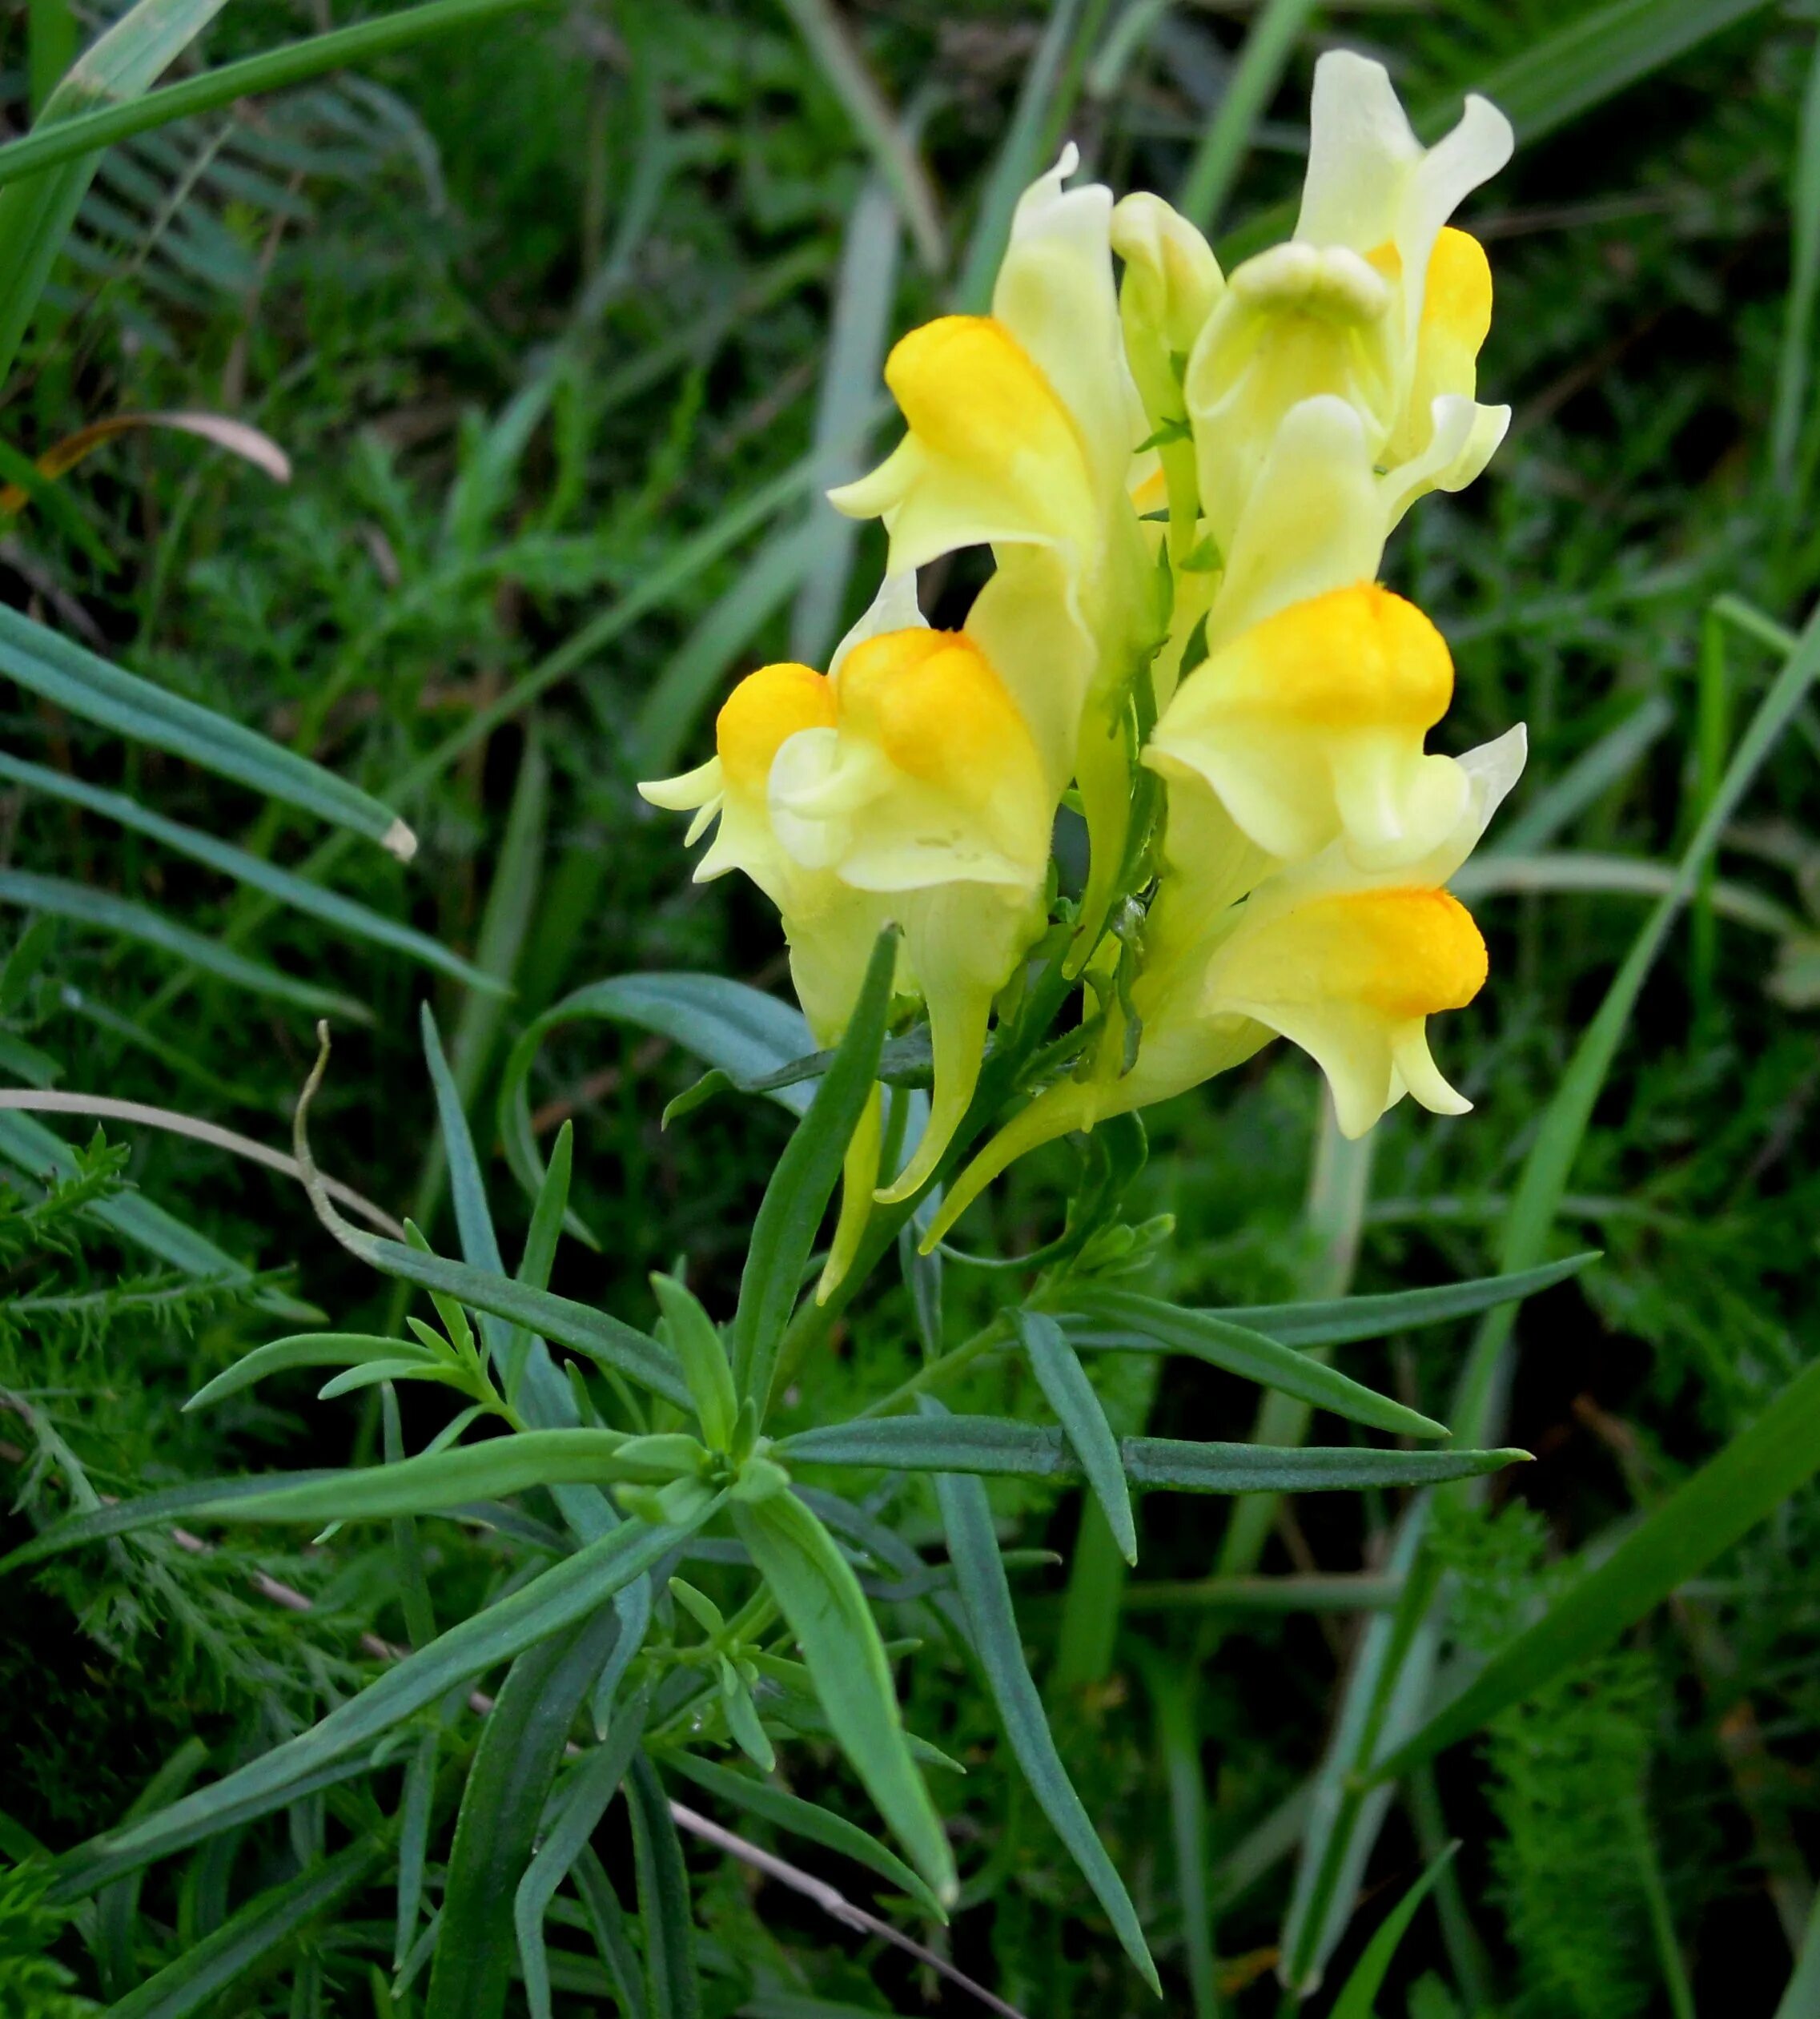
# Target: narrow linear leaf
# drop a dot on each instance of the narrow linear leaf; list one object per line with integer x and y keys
{"x": 89, "y": 687}
{"x": 808, "y": 1820}
{"x": 592, "y": 1786}
{"x": 552, "y": 1600}
{"x": 1340, "y": 1320}
{"x": 990, "y": 1445}
{"x": 1122, "y": 1320}
{"x": 673, "y": 1983}
{"x": 790, "y": 1214}
{"x": 83, "y": 905}
{"x": 426, "y": 1484}
{"x": 305, "y": 1349}
{"x": 985, "y": 1596}
{"x": 496, "y": 1831}
{"x": 199, "y": 1976}
{"x": 1071, "y": 1395}
{"x": 820, "y": 1597}
{"x": 1358, "y": 1998}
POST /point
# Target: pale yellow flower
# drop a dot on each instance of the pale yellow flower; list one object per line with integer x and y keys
{"x": 1309, "y": 725}
{"x": 902, "y": 787}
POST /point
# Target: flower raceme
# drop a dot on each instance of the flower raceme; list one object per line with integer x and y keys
{"x": 1187, "y": 481}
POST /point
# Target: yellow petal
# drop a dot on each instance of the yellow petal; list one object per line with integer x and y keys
{"x": 962, "y": 942}
{"x": 1351, "y": 978}
{"x": 992, "y": 455}
{"x": 929, "y": 775}
{"x": 1309, "y": 725}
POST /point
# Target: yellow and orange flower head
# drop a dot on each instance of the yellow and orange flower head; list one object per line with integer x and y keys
{"x": 1309, "y": 728}
{"x": 1281, "y": 419}
{"x": 1023, "y": 428}
{"x": 904, "y": 786}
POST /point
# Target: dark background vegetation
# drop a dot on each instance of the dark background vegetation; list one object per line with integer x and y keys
{"x": 531, "y": 309}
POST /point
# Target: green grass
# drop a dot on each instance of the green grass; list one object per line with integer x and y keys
{"x": 561, "y": 320}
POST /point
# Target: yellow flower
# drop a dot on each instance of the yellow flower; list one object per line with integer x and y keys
{"x": 1023, "y": 429}
{"x": 905, "y": 787}
{"x": 1346, "y": 964}
{"x": 1309, "y": 728}
{"x": 1373, "y": 309}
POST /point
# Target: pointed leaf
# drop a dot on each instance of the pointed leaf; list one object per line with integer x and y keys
{"x": 790, "y": 1215}
{"x": 985, "y": 1596}
{"x": 1124, "y": 1320}
{"x": 495, "y": 1832}
{"x": 820, "y": 1825}
{"x": 1071, "y": 1395}
{"x": 820, "y": 1597}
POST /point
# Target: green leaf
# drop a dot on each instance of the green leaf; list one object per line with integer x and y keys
{"x": 423, "y": 1485}
{"x": 592, "y": 1786}
{"x": 985, "y": 1596}
{"x": 84, "y": 905}
{"x": 1718, "y": 1506}
{"x": 414, "y": 1818}
{"x": 550, "y": 1601}
{"x": 593, "y": 1333}
{"x": 89, "y": 687}
{"x": 697, "y": 1345}
{"x": 297, "y": 893}
{"x": 1071, "y": 1395}
{"x": 790, "y": 1214}
{"x": 52, "y": 145}
{"x": 307, "y": 1350}
{"x": 1125, "y": 1321}
{"x": 36, "y": 211}
{"x": 990, "y": 1444}
{"x": 200, "y": 1976}
{"x": 673, "y": 1983}
{"x": 1358, "y": 2000}
{"x": 1339, "y": 1321}
{"x": 819, "y": 1595}
{"x": 1249, "y": 87}
{"x": 495, "y": 1832}
{"x": 806, "y": 1819}
{"x": 1597, "y": 55}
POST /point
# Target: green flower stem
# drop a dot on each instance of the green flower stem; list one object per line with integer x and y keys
{"x": 995, "y": 1332}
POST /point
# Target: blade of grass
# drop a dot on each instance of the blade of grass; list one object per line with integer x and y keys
{"x": 297, "y": 893}
{"x": 1272, "y": 38}
{"x": 82, "y": 904}
{"x": 1792, "y": 369}
{"x": 53, "y": 146}
{"x": 893, "y": 151}
{"x": 78, "y": 683}
{"x": 1722, "y": 1502}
